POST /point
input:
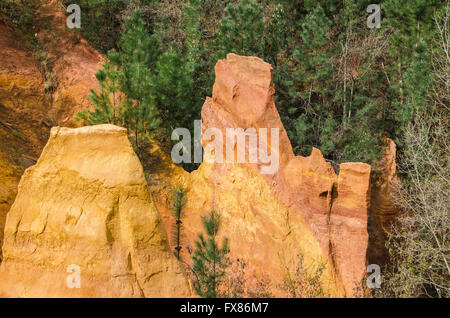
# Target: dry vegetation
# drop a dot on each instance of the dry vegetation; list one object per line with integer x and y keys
{"x": 419, "y": 244}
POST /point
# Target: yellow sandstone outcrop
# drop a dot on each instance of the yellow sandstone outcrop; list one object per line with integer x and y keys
{"x": 86, "y": 204}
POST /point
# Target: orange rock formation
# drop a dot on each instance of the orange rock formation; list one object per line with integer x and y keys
{"x": 86, "y": 203}
{"x": 304, "y": 206}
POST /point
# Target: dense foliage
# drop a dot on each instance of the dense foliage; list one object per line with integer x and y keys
{"x": 21, "y": 15}
{"x": 419, "y": 243}
{"x": 340, "y": 86}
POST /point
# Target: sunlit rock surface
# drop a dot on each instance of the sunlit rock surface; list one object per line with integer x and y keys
{"x": 86, "y": 202}
{"x": 304, "y": 206}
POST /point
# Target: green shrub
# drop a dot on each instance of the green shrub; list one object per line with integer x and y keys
{"x": 16, "y": 134}
{"x": 21, "y": 16}
{"x": 101, "y": 21}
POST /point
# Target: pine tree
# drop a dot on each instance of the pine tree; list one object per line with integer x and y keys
{"x": 136, "y": 45}
{"x": 409, "y": 65}
{"x": 209, "y": 259}
{"x": 364, "y": 117}
{"x": 172, "y": 91}
{"x": 417, "y": 84}
{"x": 316, "y": 81}
{"x": 241, "y": 31}
{"x": 277, "y": 51}
{"x": 179, "y": 201}
{"x": 108, "y": 102}
{"x": 125, "y": 85}
{"x": 191, "y": 21}
{"x": 336, "y": 94}
{"x": 276, "y": 36}
{"x": 194, "y": 50}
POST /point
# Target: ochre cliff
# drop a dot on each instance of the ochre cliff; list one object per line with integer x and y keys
{"x": 74, "y": 64}
{"x": 269, "y": 218}
{"x": 24, "y": 121}
{"x": 36, "y": 94}
{"x": 86, "y": 202}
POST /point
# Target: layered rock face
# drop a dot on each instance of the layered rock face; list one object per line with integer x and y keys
{"x": 269, "y": 217}
{"x": 86, "y": 205}
{"x": 31, "y": 103}
{"x": 23, "y": 118}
